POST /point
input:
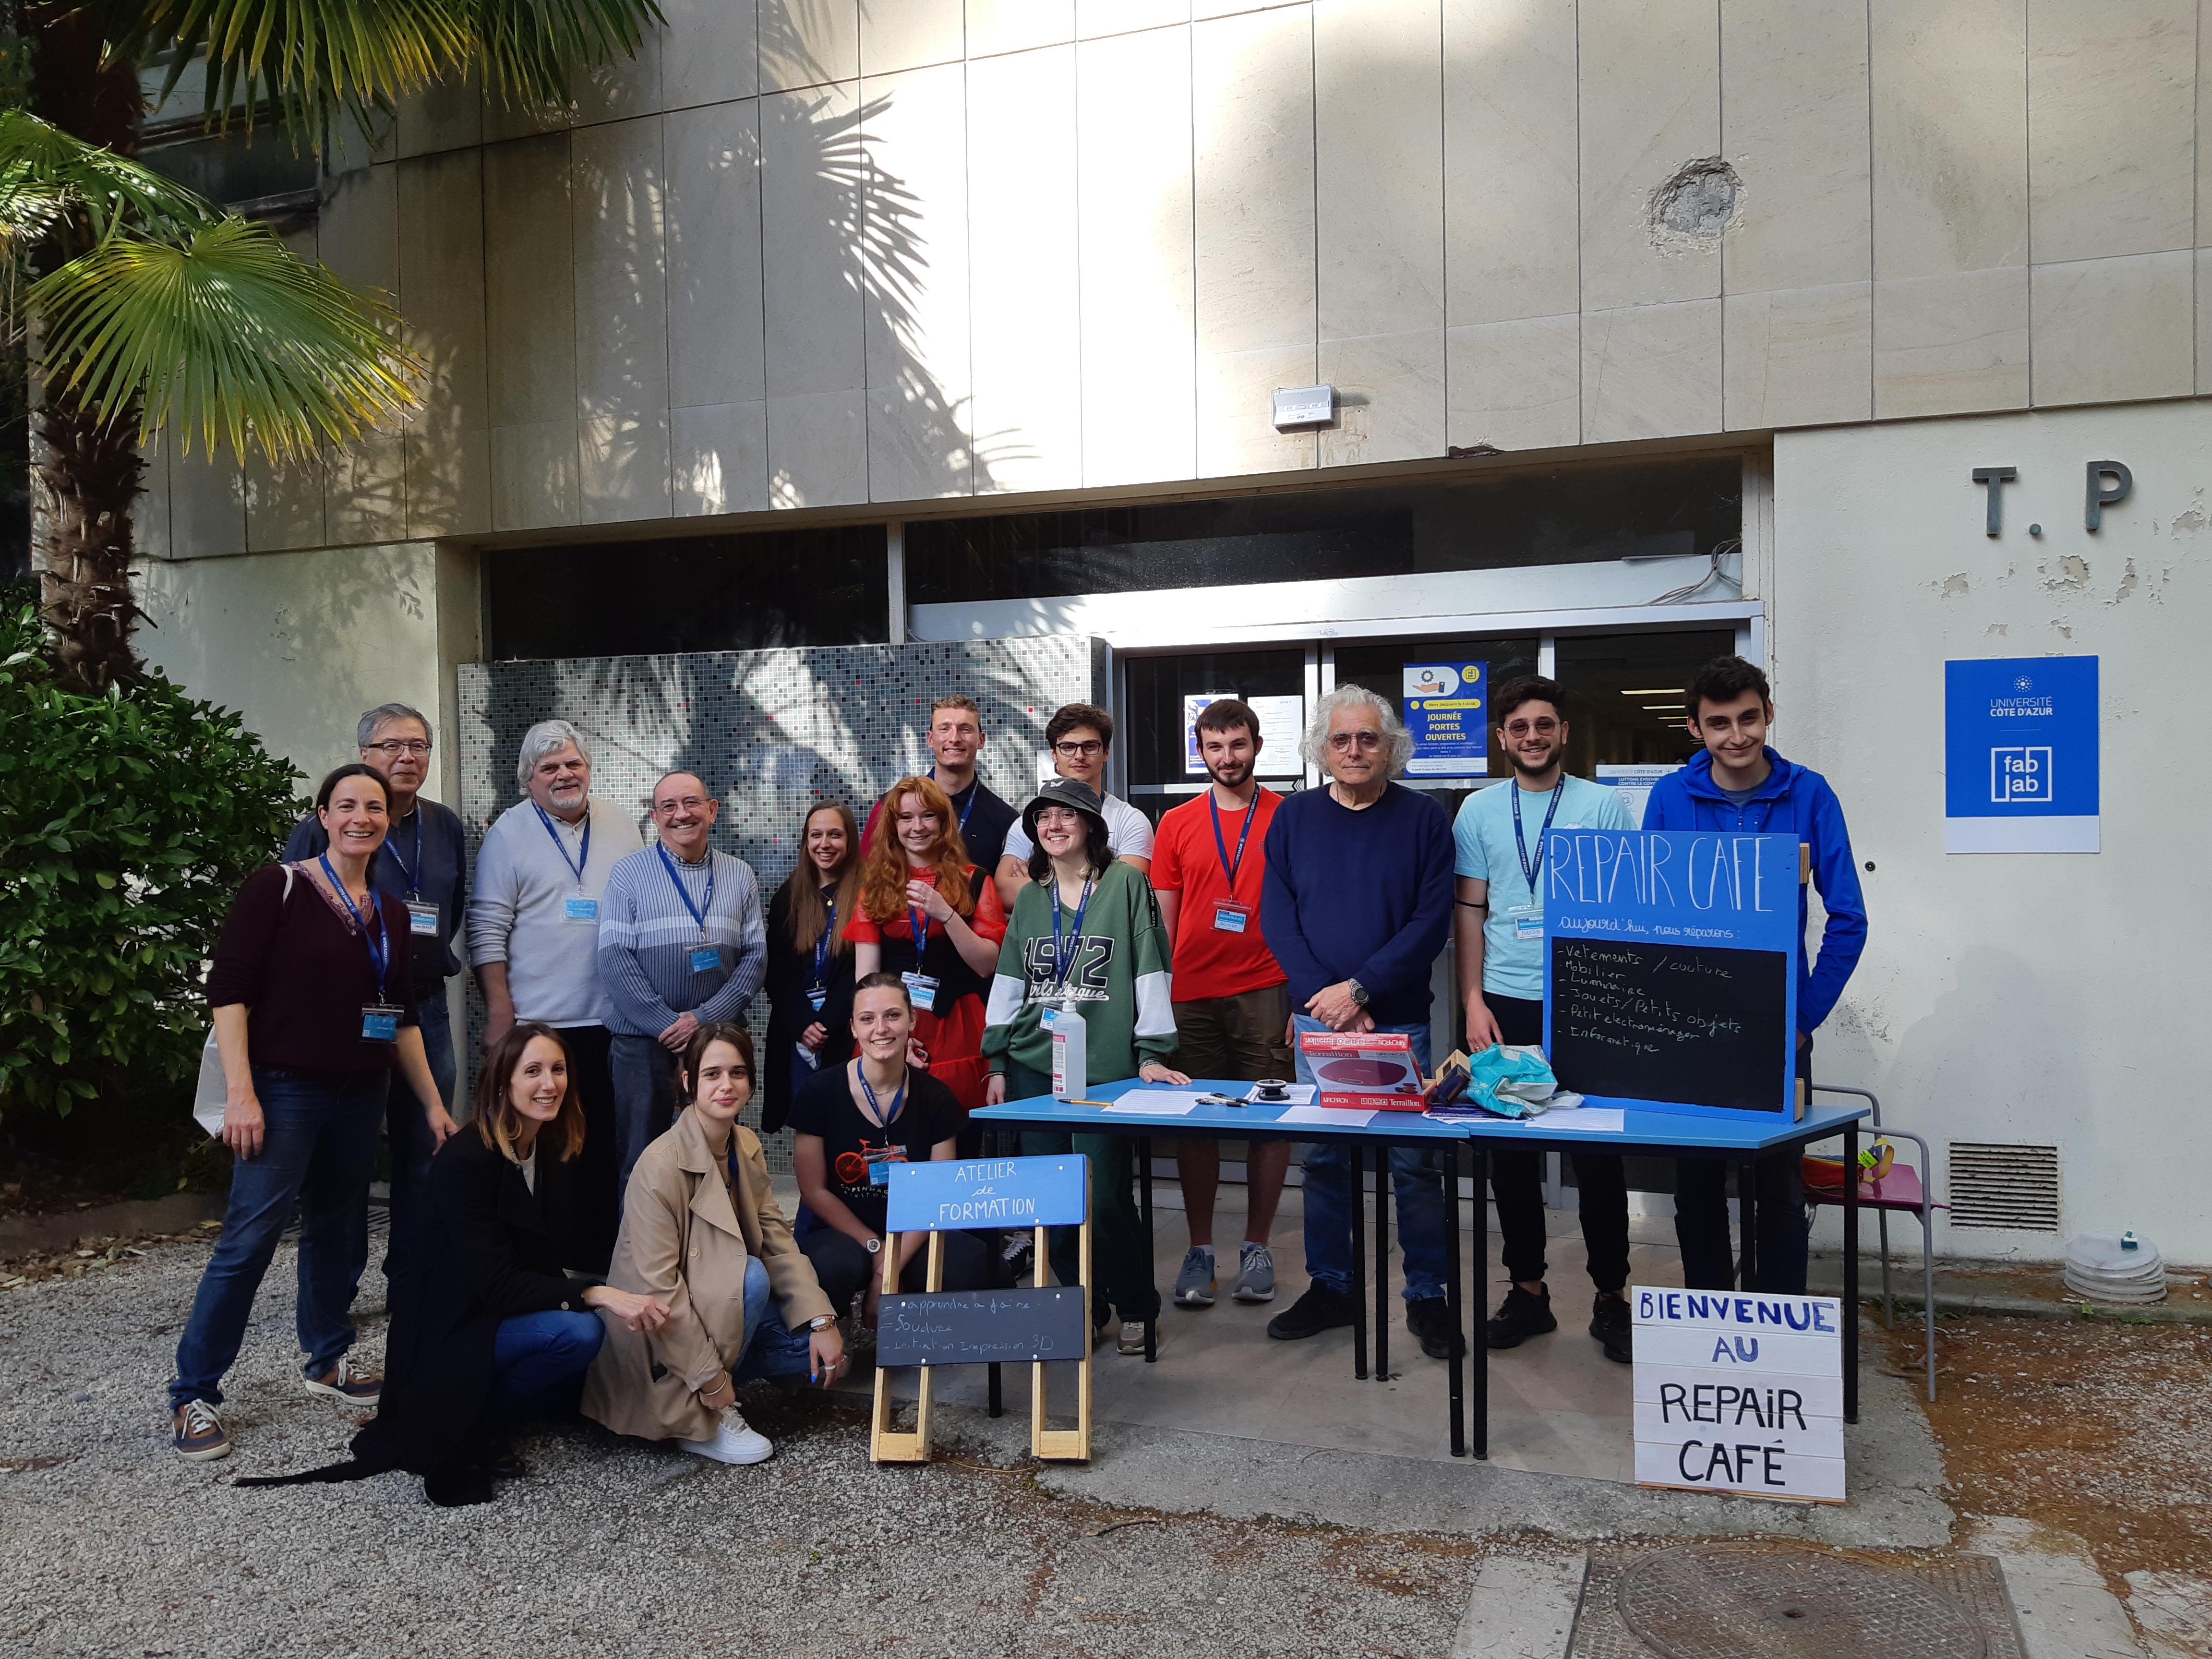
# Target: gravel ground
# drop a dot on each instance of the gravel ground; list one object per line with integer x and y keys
{"x": 109, "y": 1545}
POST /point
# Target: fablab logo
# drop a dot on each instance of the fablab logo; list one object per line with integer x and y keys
{"x": 2020, "y": 777}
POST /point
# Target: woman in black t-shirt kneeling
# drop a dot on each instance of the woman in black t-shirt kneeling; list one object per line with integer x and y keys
{"x": 872, "y": 1111}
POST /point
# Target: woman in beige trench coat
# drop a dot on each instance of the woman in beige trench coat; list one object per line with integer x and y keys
{"x": 700, "y": 1231}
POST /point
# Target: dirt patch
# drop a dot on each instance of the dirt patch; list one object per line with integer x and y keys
{"x": 2093, "y": 1426}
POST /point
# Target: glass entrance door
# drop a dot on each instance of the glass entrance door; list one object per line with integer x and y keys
{"x": 1161, "y": 696}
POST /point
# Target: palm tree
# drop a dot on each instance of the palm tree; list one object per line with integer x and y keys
{"x": 144, "y": 306}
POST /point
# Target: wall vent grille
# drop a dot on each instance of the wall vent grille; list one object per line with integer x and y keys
{"x": 2014, "y": 1187}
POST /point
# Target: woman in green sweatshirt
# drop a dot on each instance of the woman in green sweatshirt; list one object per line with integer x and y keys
{"x": 1086, "y": 933}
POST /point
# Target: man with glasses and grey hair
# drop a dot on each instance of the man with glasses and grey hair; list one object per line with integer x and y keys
{"x": 424, "y": 863}
{"x": 534, "y": 938}
{"x": 1356, "y": 906}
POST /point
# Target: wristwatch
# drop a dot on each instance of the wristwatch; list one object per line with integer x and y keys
{"x": 821, "y": 1321}
{"x": 1358, "y": 991}
{"x": 873, "y": 1247}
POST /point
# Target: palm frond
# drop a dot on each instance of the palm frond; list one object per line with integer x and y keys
{"x": 44, "y": 173}
{"x": 527, "y": 47}
{"x": 313, "y": 60}
{"x": 227, "y": 332}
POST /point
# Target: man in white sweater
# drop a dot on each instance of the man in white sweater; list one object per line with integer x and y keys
{"x": 533, "y": 940}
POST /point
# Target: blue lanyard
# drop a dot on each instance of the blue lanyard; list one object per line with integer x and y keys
{"x": 1220, "y": 843}
{"x": 562, "y": 847}
{"x": 1063, "y": 959}
{"x": 917, "y": 922}
{"x": 974, "y": 790}
{"x": 822, "y": 944}
{"x": 898, "y": 1100}
{"x": 682, "y": 892}
{"x": 1530, "y": 871}
{"x": 380, "y": 954}
{"x": 413, "y": 877}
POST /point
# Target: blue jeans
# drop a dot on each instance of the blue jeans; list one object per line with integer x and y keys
{"x": 1333, "y": 1209}
{"x": 644, "y": 1075}
{"x": 771, "y": 1349}
{"x": 319, "y": 1144}
{"x": 407, "y": 1132}
{"x": 538, "y": 1361}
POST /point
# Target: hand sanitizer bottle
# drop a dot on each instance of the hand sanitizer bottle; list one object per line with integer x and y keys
{"x": 1070, "y": 1076}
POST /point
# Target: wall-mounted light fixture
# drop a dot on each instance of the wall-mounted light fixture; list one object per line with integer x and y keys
{"x": 1305, "y": 405}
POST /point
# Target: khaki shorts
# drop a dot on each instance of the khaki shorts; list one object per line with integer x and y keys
{"x": 1238, "y": 1038}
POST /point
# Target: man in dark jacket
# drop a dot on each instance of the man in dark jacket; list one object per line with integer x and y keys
{"x": 1740, "y": 784}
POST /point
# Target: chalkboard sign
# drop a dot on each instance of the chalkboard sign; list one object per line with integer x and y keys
{"x": 970, "y": 1327}
{"x": 1670, "y": 978}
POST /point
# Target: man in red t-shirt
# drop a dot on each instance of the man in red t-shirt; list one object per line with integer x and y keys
{"x": 1231, "y": 1011}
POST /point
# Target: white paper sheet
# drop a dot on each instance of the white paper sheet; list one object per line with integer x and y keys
{"x": 1581, "y": 1119}
{"x": 1157, "y": 1102}
{"x": 1335, "y": 1117}
{"x": 1298, "y": 1094}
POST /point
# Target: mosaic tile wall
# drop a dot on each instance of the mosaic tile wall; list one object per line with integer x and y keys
{"x": 774, "y": 733}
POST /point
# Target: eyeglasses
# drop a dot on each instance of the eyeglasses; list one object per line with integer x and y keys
{"x": 1345, "y": 742}
{"x": 1523, "y": 728}
{"x": 400, "y": 746}
{"x": 1072, "y": 750}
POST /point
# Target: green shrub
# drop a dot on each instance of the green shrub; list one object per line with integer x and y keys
{"x": 127, "y": 823}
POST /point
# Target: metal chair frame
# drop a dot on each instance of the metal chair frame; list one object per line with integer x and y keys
{"x": 1924, "y": 1211}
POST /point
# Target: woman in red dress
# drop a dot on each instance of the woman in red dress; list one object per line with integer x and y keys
{"x": 926, "y": 914}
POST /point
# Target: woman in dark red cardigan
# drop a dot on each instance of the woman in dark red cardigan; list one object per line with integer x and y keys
{"x": 312, "y": 1012}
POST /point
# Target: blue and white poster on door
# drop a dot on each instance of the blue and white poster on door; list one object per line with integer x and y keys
{"x": 1446, "y": 710}
{"x": 2021, "y": 755}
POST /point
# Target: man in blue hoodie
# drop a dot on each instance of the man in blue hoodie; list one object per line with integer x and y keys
{"x": 1740, "y": 784}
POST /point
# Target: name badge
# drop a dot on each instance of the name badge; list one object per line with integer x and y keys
{"x": 1528, "y": 920}
{"x": 922, "y": 988}
{"x": 706, "y": 958}
{"x": 422, "y": 919}
{"x": 583, "y": 909}
{"x": 816, "y": 996}
{"x": 1230, "y": 917}
{"x": 880, "y": 1159}
{"x": 380, "y": 1024}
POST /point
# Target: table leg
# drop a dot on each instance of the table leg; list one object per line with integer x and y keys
{"x": 1453, "y": 1303}
{"x": 1356, "y": 1160}
{"x": 1144, "y": 1205}
{"x": 1479, "y": 1339}
{"x": 1746, "y": 1180}
{"x": 1850, "y": 1309}
{"x": 1383, "y": 1263}
{"x": 998, "y": 1408}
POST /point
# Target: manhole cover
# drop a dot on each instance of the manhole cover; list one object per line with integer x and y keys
{"x": 1724, "y": 1602}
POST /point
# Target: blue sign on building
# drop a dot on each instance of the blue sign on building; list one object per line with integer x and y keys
{"x": 2020, "y": 750}
{"x": 1447, "y": 710}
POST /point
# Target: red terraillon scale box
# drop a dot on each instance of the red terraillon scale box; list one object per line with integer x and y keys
{"x": 1363, "y": 1071}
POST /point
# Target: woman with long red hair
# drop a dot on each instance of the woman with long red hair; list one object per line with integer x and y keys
{"x": 927, "y": 914}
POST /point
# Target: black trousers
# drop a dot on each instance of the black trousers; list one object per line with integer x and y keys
{"x": 1517, "y": 1181}
{"x": 1701, "y": 1218}
{"x": 598, "y": 1180}
{"x": 845, "y": 1269}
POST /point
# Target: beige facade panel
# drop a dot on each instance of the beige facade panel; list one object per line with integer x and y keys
{"x": 1389, "y": 396}
{"x": 441, "y": 285}
{"x": 365, "y": 490}
{"x": 808, "y": 43}
{"x": 1095, "y": 18}
{"x": 911, "y": 34}
{"x": 1651, "y": 371}
{"x": 916, "y": 299}
{"x": 1800, "y": 357}
{"x": 529, "y": 288}
{"x": 1516, "y": 383}
{"x": 2203, "y": 270}
{"x": 1379, "y": 168}
{"x": 207, "y": 503}
{"x": 710, "y": 53}
{"x": 448, "y": 482}
{"x": 1950, "y": 137}
{"x": 2112, "y": 127}
{"x": 448, "y": 115}
{"x": 149, "y": 514}
{"x": 284, "y": 504}
{"x": 1137, "y": 262}
{"x": 627, "y": 88}
{"x": 1794, "y": 106}
{"x": 1650, "y": 103}
{"x": 719, "y": 459}
{"x": 1236, "y": 429}
{"x": 622, "y": 467}
{"x": 811, "y": 167}
{"x": 817, "y": 449}
{"x": 533, "y": 475}
{"x": 995, "y": 27}
{"x": 717, "y": 341}
{"x": 2108, "y": 331}
{"x": 1944, "y": 345}
{"x": 1512, "y": 225}
{"x": 621, "y": 276}
{"x": 357, "y": 232}
{"x": 1025, "y": 252}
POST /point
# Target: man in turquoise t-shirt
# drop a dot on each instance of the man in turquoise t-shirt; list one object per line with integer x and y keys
{"x": 1499, "y": 930}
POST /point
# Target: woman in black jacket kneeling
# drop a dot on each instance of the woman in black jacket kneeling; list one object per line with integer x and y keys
{"x": 495, "y": 1332}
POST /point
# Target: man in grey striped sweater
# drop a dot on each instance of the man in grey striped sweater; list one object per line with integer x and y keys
{"x": 681, "y": 945}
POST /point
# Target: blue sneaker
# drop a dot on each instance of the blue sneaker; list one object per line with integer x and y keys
{"x": 1255, "y": 1273}
{"x": 1194, "y": 1286}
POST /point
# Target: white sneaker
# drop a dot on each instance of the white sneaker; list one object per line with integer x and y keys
{"x": 735, "y": 1441}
